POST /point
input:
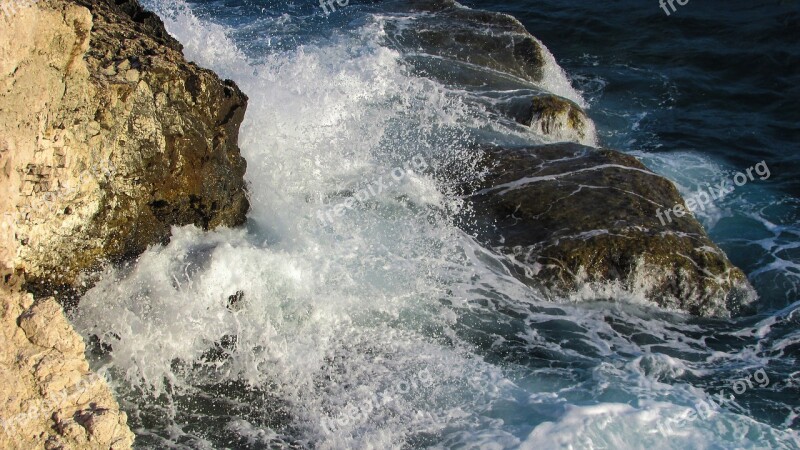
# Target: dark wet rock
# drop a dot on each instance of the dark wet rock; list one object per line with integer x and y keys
{"x": 570, "y": 217}
{"x": 554, "y": 118}
{"x": 558, "y": 118}
{"x": 235, "y": 301}
{"x": 431, "y": 5}
{"x": 485, "y": 39}
{"x": 494, "y": 54}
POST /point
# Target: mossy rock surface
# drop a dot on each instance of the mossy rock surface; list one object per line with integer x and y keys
{"x": 486, "y": 39}
{"x": 569, "y": 216}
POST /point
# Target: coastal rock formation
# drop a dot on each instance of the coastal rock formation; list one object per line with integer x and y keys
{"x": 559, "y": 119}
{"x": 569, "y": 216}
{"x": 108, "y": 138}
{"x": 461, "y": 34}
{"x": 489, "y": 50}
{"x": 49, "y": 397}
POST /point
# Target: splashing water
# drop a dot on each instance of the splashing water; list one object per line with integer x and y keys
{"x": 386, "y": 325}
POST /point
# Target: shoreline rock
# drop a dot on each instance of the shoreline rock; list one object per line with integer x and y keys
{"x": 569, "y": 216}
{"x": 108, "y": 138}
{"x": 462, "y": 36}
{"x": 489, "y": 50}
{"x": 559, "y": 119}
{"x": 50, "y": 397}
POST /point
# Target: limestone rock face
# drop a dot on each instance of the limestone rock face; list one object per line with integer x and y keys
{"x": 48, "y": 396}
{"x": 569, "y": 216}
{"x": 108, "y": 137}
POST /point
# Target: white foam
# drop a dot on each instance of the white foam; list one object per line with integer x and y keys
{"x": 555, "y": 79}
{"x": 653, "y": 425}
{"x": 332, "y": 314}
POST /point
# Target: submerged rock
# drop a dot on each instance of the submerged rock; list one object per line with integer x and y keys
{"x": 570, "y": 217}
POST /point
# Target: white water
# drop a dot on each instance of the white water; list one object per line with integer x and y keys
{"x": 351, "y": 302}
{"x": 357, "y": 325}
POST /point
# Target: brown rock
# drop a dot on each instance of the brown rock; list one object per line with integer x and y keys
{"x": 103, "y": 162}
{"x": 569, "y": 216}
{"x": 559, "y": 119}
{"x": 108, "y": 137}
{"x": 48, "y": 396}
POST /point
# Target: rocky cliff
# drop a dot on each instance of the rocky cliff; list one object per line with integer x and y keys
{"x": 108, "y": 138}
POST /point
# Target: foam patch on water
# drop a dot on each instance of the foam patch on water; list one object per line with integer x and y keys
{"x": 653, "y": 425}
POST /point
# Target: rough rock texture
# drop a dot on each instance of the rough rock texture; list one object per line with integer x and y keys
{"x": 48, "y": 396}
{"x": 559, "y": 119}
{"x": 554, "y": 118}
{"x": 488, "y": 39}
{"x": 490, "y": 50}
{"x": 569, "y": 215}
{"x": 108, "y": 137}
{"x": 570, "y": 218}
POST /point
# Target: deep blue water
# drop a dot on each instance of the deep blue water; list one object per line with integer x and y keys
{"x": 392, "y": 329}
